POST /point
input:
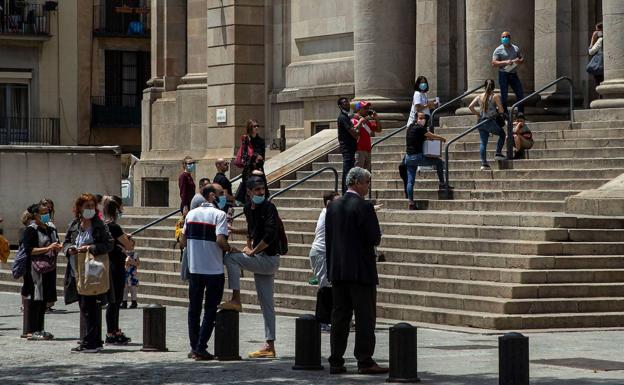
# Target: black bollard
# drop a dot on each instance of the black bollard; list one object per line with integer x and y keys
{"x": 513, "y": 359}
{"x": 98, "y": 325}
{"x": 403, "y": 353}
{"x": 307, "y": 343}
{"x": 26, "y": 329}
{"x": 154, "y": 328}
{"x": 226, "y": 336}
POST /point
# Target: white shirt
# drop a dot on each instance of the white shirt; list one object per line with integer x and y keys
{"x": 319, "y": 237}
{"x": 201, "y": 228}
{"x": 419, "y": 98}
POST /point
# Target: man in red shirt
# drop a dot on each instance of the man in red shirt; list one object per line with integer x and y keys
{"x": 366, "y": 122}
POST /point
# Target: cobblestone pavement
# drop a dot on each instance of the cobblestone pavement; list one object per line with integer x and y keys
{"x": 475, "y": 362}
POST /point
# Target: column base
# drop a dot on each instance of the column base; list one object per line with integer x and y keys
{"x": 612, "y": 92}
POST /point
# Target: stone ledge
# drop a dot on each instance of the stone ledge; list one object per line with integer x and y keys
{"x": 116, "y": 150}
{"x": 607, "y": 199}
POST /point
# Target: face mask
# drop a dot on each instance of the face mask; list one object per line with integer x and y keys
{"x": 505, "y": 40}
{"x": 45, "y": 218}
{"x": 421, "y": 122}
{"x": 259, "y": 164}
{"x": 257, "y": 199}
{"x": 88, "y": 213}
{"x": 599, "y": 34}
{"x": 222, "y": 201}
{"x": 190, "y": 167}
{"x": 422, "y": 86}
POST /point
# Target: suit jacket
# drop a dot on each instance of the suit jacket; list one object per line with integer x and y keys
{"x": 351, "y": 234}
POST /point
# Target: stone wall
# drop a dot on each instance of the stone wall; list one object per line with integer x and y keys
{"x": 61, "y": 173}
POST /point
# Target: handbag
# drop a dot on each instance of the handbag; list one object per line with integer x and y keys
{"x": 245, "y": 151}
{"x": 596, "y": 64}
{"x": 93, "y": 272}
{"x": 44, "y": 263}
{"x": 501, "y": 119}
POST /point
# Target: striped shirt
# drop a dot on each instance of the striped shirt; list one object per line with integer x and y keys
{"x": 201, "y": 228}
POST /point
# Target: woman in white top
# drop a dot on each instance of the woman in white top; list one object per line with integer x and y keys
{"x": 595, "y": 47}
{"x": 420, "y": 102}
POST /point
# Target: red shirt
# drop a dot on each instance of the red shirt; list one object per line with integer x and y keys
{"x": 187, "y": 188}
{"x": 367, "y": 127}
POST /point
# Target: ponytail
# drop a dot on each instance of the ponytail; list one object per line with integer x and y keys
{"x": 489, "y": 89}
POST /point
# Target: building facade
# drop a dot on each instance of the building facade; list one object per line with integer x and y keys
{"x": 72, "y": 72}
{"x": 217, "y": 63}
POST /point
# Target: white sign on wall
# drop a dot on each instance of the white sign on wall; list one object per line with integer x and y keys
{"x": 221, "y": 115}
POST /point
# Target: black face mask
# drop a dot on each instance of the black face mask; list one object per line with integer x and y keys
{"x": 259, "y": 164}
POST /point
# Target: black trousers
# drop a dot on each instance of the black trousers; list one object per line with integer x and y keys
{"x": 352, "y": 298}
{"x": 204, "y": 289}
{"x": 88, "y": 308}
{"x": 36, "y": 315}
{"x": 118, "y": 275}
{"x": 348, "y": 162}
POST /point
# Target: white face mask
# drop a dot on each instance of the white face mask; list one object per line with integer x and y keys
{"x": 88, "y": 213}
{"x": 421, "y": 122}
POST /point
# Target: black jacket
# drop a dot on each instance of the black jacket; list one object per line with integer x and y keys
{"x": 351, "y": 234}
{"x": 103, "y": 244}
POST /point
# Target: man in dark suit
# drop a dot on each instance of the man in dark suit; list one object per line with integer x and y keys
{"x": 351, "y": 234}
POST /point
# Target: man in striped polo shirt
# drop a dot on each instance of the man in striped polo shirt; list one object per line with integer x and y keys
{"x": 205, "y": 235}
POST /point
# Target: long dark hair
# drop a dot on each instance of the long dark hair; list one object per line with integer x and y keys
{"x": 421, "y": 79}
{"x": 489, "y": 89}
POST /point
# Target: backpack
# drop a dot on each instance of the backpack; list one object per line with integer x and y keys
{"x": 20, "y": 262}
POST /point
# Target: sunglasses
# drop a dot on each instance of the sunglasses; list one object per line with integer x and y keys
{"x": 255, "y": 126}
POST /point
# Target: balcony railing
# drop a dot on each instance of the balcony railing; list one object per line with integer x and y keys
{"x": 121, "y": 21}
{"x": 116, "y": 111}
{"x": 29, "y": 131}
{"x": 25, "y": 20}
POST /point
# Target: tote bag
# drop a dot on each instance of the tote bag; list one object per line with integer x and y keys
{"x": 93, "y": 273}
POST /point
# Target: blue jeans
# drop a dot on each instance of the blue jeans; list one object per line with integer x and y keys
{"x": 212, "y": 285}
{"x": 412, "y": 162}
{"x": 488, "y": 128}
{"x": 506, "y": 79}
{"x": 348, "y": 162}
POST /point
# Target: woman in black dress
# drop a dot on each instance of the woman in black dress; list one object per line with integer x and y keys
{"x": 113, "y": 208}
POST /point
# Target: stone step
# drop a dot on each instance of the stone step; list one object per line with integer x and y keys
{"x": 420, "y": 194}
{"x": 479, "y": 205}
{"x": 396, "y": 153}
{"x": 493, "y": 174}
{"x": 533, "y": 164}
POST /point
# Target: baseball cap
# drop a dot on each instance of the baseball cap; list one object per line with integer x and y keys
{"x": 361, "y": 104}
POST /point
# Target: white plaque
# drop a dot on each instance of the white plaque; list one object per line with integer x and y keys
{"x": 221, "y": 115}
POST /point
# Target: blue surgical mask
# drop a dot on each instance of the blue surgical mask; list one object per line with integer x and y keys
{"x": 45, "y": 218}
{"x": 422, "y": 86}
{"x": 257, "y": 199}
{"x": 190, "y": 167}
{"x": 505, "y": 40}
{"x": 222, "y": 201}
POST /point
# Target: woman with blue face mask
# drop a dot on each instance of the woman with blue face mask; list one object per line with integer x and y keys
{"x": 421, "y": 102}
{"x": 41, "y": 244}
{"x": 186, "y": 184}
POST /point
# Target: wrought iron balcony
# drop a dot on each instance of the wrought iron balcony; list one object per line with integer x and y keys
{"x": 26, "y": 19}
{"x": 116, "y": 111}
{"x": 29, "y": 131}
{"x": 119, "y": 19}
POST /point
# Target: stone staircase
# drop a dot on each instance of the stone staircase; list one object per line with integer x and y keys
{"x": 502, "y": 255}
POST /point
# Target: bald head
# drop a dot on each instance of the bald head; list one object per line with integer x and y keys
{"x": 221, "y": 165}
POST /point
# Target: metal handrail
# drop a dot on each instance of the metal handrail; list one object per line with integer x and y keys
{"x": 446, "y": 152}
{"x": 302, "y": 180}
{"x": 154, "y": 222}
{"x": 466, "y": 93}
{"x": 521, "y": 101}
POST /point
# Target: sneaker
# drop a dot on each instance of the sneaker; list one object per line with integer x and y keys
{"x": 84, "y": 349}
{"x": 499, "y": 157}
{"x": 121, "y": 339}
{"x": 412, "y": 206}
{"x": 133, "y": 305}
{"x": 486, "y": 167}
{"x": 110, "y": 340}
{"x": 40, "y": 336}
{"x": 203, "y": 356}
{"x": 190, "y": 355}
{"x": 325, "y": 328}
{"x": 124, "y": 305}
{"x": 265, "y": 352}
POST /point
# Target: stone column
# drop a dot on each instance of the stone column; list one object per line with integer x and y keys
{"x": 174, "y": 43}
{"x": 555, "y": 32}
{"x": 485, "y": 20}
{"x": 383, "y": 43}
{"x": 612, "y": 89}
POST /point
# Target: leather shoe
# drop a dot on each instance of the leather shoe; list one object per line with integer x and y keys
{"x": 373, "y": 369}
{"x": 337, "y": 370}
